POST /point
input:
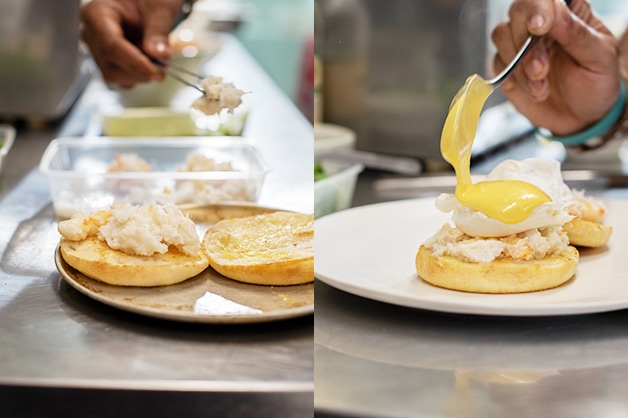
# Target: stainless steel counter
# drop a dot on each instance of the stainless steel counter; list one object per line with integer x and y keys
{"x": 64, "y": 354}
{"x": 380, "y": 360}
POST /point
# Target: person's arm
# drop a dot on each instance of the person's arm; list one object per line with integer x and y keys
{"x": 123, "y": 34}
{"x": 571, "y": 79}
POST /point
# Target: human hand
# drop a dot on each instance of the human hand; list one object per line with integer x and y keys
{"x": 570, "y": 79}
{"x": 123, "y": 34}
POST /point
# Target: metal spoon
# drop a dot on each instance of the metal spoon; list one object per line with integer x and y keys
{"x": 527, "y": 46}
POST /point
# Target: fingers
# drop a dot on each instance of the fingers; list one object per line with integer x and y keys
{"x": 584, "y": 42}
{"x": 531, "y": 74}
{"x": 518, "y": 84}
{"x": 530, "y": 17}
{"x": 583, "y": 37}
{"x": 127, "y": 65}
{"x": 120, "y": 61}
{"x": 571, "y": 76}
{"x": 527, "y": 17}
{"x": 580, "y": 34}
{"x": 159, "y": 18}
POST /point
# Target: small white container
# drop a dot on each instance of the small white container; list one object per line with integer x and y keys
{"x": 80, "y": 179}
{"x": 330, "y": 138}
{"x": 335, "y": 192}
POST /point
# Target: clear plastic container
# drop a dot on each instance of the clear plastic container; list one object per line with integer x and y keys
{"x": 335, "y": 192}
{"x": 81, "y": 180}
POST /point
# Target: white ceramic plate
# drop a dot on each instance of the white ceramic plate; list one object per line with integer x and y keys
{"x": 369, "y": 251}
{"x": 225, "y": 301}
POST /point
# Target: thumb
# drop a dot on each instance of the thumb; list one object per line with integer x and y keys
{"x": 158, "y": 22}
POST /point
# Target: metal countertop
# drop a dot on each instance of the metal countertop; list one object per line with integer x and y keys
{"x": 64, "y": 354}
{"x": 375, "y": 359}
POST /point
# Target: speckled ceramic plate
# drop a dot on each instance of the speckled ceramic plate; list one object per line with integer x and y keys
{"x": 206, "y": 298}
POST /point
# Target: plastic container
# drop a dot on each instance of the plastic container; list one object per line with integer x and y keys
{"x": 81, "y": 180}
{"x": 335, "y": 192}
{"x": 7, "y": 136}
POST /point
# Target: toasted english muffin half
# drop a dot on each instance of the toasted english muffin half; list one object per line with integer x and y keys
{"x": 95, "y": 259}
{"x": 584, "y": 233}
{"x": 498, "y": 276}
{"x": 275, "y": 248}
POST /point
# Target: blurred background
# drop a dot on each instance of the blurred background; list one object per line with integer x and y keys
{"x": 277, "y": 33}
{"x": 390, "y": 69}
{"x": 43, "y": 70}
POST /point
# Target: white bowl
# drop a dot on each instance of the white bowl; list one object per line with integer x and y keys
{"x": 329, "y": 138}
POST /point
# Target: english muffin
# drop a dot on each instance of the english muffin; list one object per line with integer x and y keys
{"x": 504, "y": 275}
{"x": 150, "y": 245}
{"x": 275, "y": 248}
{"x": 587, "y": 228}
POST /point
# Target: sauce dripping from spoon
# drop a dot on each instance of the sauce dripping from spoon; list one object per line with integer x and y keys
{"x": 508, "y": 201}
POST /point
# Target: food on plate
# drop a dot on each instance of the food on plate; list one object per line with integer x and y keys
{"x": 148, "y": 245}
{"x": 482, "y": 254}
{"x": 509, "y": 200}
{"x": 275, "y": 248}
{"x": 587, "y": 228}
{"x": 585, "y": 233}
{"x": 508, "y": 273}
{"x": 218, "y": 96}
{"x": 508, "y": 234}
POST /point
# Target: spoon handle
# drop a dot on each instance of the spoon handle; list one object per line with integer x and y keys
{"x": 527, "y": 46}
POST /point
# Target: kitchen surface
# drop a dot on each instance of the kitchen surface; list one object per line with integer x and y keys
{"x": 382, "y": 342}
{"x": 68, "y": 352}
{"x": 388, "y": 344}
{"x": 383, "y": 354}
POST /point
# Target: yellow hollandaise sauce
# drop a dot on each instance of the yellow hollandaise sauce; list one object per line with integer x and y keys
{"x": 508, "y": 201}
